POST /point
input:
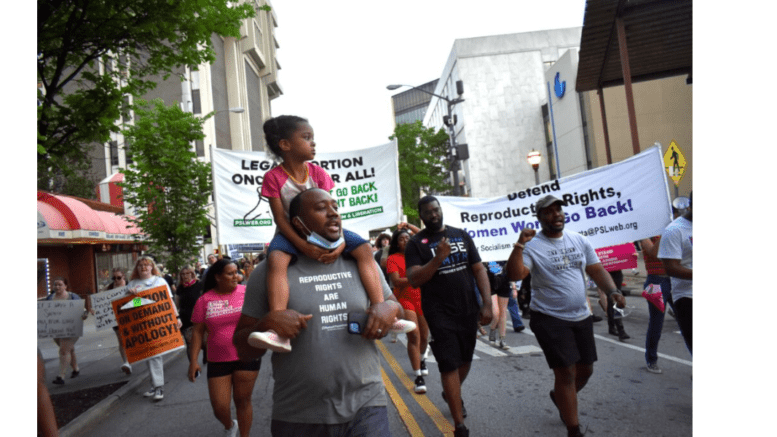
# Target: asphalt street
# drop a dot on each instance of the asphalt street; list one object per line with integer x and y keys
{"x": 506, "y": 392}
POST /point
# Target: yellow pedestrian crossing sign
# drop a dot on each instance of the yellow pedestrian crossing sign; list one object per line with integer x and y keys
{"x": 674, "y": 162}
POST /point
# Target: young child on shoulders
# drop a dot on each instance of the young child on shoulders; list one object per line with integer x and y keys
{"x": 291, "y": 139}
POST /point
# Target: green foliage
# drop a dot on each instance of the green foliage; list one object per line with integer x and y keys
{"x": 78, "y": 105}
{"x": 166, "y": 183}
{"x": 423, "y": 164}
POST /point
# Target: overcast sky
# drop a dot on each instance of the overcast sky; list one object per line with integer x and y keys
{"x": 337, "y": 57}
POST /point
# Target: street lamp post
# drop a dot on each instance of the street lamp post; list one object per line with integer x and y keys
{"x": 450, "y": 121}
{"x": 534, "y": 157}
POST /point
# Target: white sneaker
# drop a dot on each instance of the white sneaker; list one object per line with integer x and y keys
{"x": 424, "y": 370}
{"x": 150, "y": 393}
{"x": 159, "y": 394}
{"x": 420, "y": 385}
{"x": 126, "y": 368}
{"x": 269, "y": 340}
{"x": 402, "y": 326}
{"x": 231, "y": 432}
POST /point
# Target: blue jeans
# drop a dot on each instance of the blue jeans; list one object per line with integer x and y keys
{"x": 656, "y": 323}
{"x": 515, "y": 312}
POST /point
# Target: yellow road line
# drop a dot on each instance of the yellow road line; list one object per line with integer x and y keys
{"x": 404, "y": 412}
{"x": 439, "y": 420}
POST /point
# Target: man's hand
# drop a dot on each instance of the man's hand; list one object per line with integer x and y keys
{"x": 443, "y": 249}
{"x": 526, "y": 235}
{"x": 486, "y": 314}
{"x": 620, "y": 301}
{"x": 381, "y": 318}
{"x": 287, "y": 323}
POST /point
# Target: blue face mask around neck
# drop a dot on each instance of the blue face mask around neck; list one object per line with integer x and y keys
{"x": 320, "y": 241}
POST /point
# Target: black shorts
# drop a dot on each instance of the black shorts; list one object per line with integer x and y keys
{"x": 564, "y": 343}
{"x": 504, "y": 292}
{"x": 454, "y": 341}
{"x": 225, "y": 368}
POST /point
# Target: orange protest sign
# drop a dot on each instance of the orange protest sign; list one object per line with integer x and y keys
{"x": 148, "y": 330}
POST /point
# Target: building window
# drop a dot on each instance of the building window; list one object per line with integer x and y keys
{"x": 126, "y": 152}
{"x": 199, "y": 146}
{"x": 196, "y": 105}
{"x": 126, "y": 112}
{"x": 114, "y": 152}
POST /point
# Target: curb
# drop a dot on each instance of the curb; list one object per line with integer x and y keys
{"x": 77, "y": 425}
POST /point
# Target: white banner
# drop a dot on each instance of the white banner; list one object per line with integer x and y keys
{"x": 103, "y": 310}
{"x": 614, "y": 204}
{"x": 366, "y": 189}
{"x": 60, "y": 318}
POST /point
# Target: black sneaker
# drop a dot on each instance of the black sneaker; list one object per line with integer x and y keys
{"x": 420, "y": 385}
{"x": 424, "y": 370}
{"x": 519, "y": 328}
{"x": 622, "y": 336}
{"x": 577, "y": 431}
{"x": 461, "y": 431}
{"x": 58, "y": 381}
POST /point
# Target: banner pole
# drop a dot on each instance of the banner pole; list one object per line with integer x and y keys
{"x": 400, "y": 208}
{"x": 215, "y": 205}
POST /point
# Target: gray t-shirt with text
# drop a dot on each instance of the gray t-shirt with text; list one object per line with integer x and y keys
{"x": 557, "y": 267}
{"x": 329, "y": 374}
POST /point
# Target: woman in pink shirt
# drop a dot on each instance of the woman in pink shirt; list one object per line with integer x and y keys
{"x": 218, "y": 311}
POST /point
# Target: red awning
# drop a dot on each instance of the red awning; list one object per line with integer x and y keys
{"x": 64, "y": 219}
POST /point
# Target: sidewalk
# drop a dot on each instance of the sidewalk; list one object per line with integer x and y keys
{"x": 99, "y": 364}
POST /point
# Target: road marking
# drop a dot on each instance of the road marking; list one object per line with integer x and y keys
{"x": 520, "y": 350}
{"x": 429, "y": 408}
{"x": 480, "y": 346}
{"x": 636, "y": 348}
{"x": 407, "y": 417}
{"x": 626, "y": 345}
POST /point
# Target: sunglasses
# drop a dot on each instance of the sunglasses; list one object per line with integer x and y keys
{"x": 116, "y": 278}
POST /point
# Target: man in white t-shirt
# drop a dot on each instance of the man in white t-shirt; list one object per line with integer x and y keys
{"x": 676, "y": 254}
{"x": 560, "y": 319}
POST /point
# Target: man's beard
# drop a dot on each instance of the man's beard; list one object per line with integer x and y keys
{"x": 433, "y": 226}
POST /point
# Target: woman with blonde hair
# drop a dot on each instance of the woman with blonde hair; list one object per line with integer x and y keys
{"x": 146, "y": 275}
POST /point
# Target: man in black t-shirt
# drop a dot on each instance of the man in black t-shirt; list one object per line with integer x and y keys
{"x": 444, "y": 262}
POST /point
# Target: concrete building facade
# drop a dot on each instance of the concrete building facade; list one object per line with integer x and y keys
{"x": 512, "y": 106}
{"x": 244, "y": 75}
{"x": 501, "y": 119}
